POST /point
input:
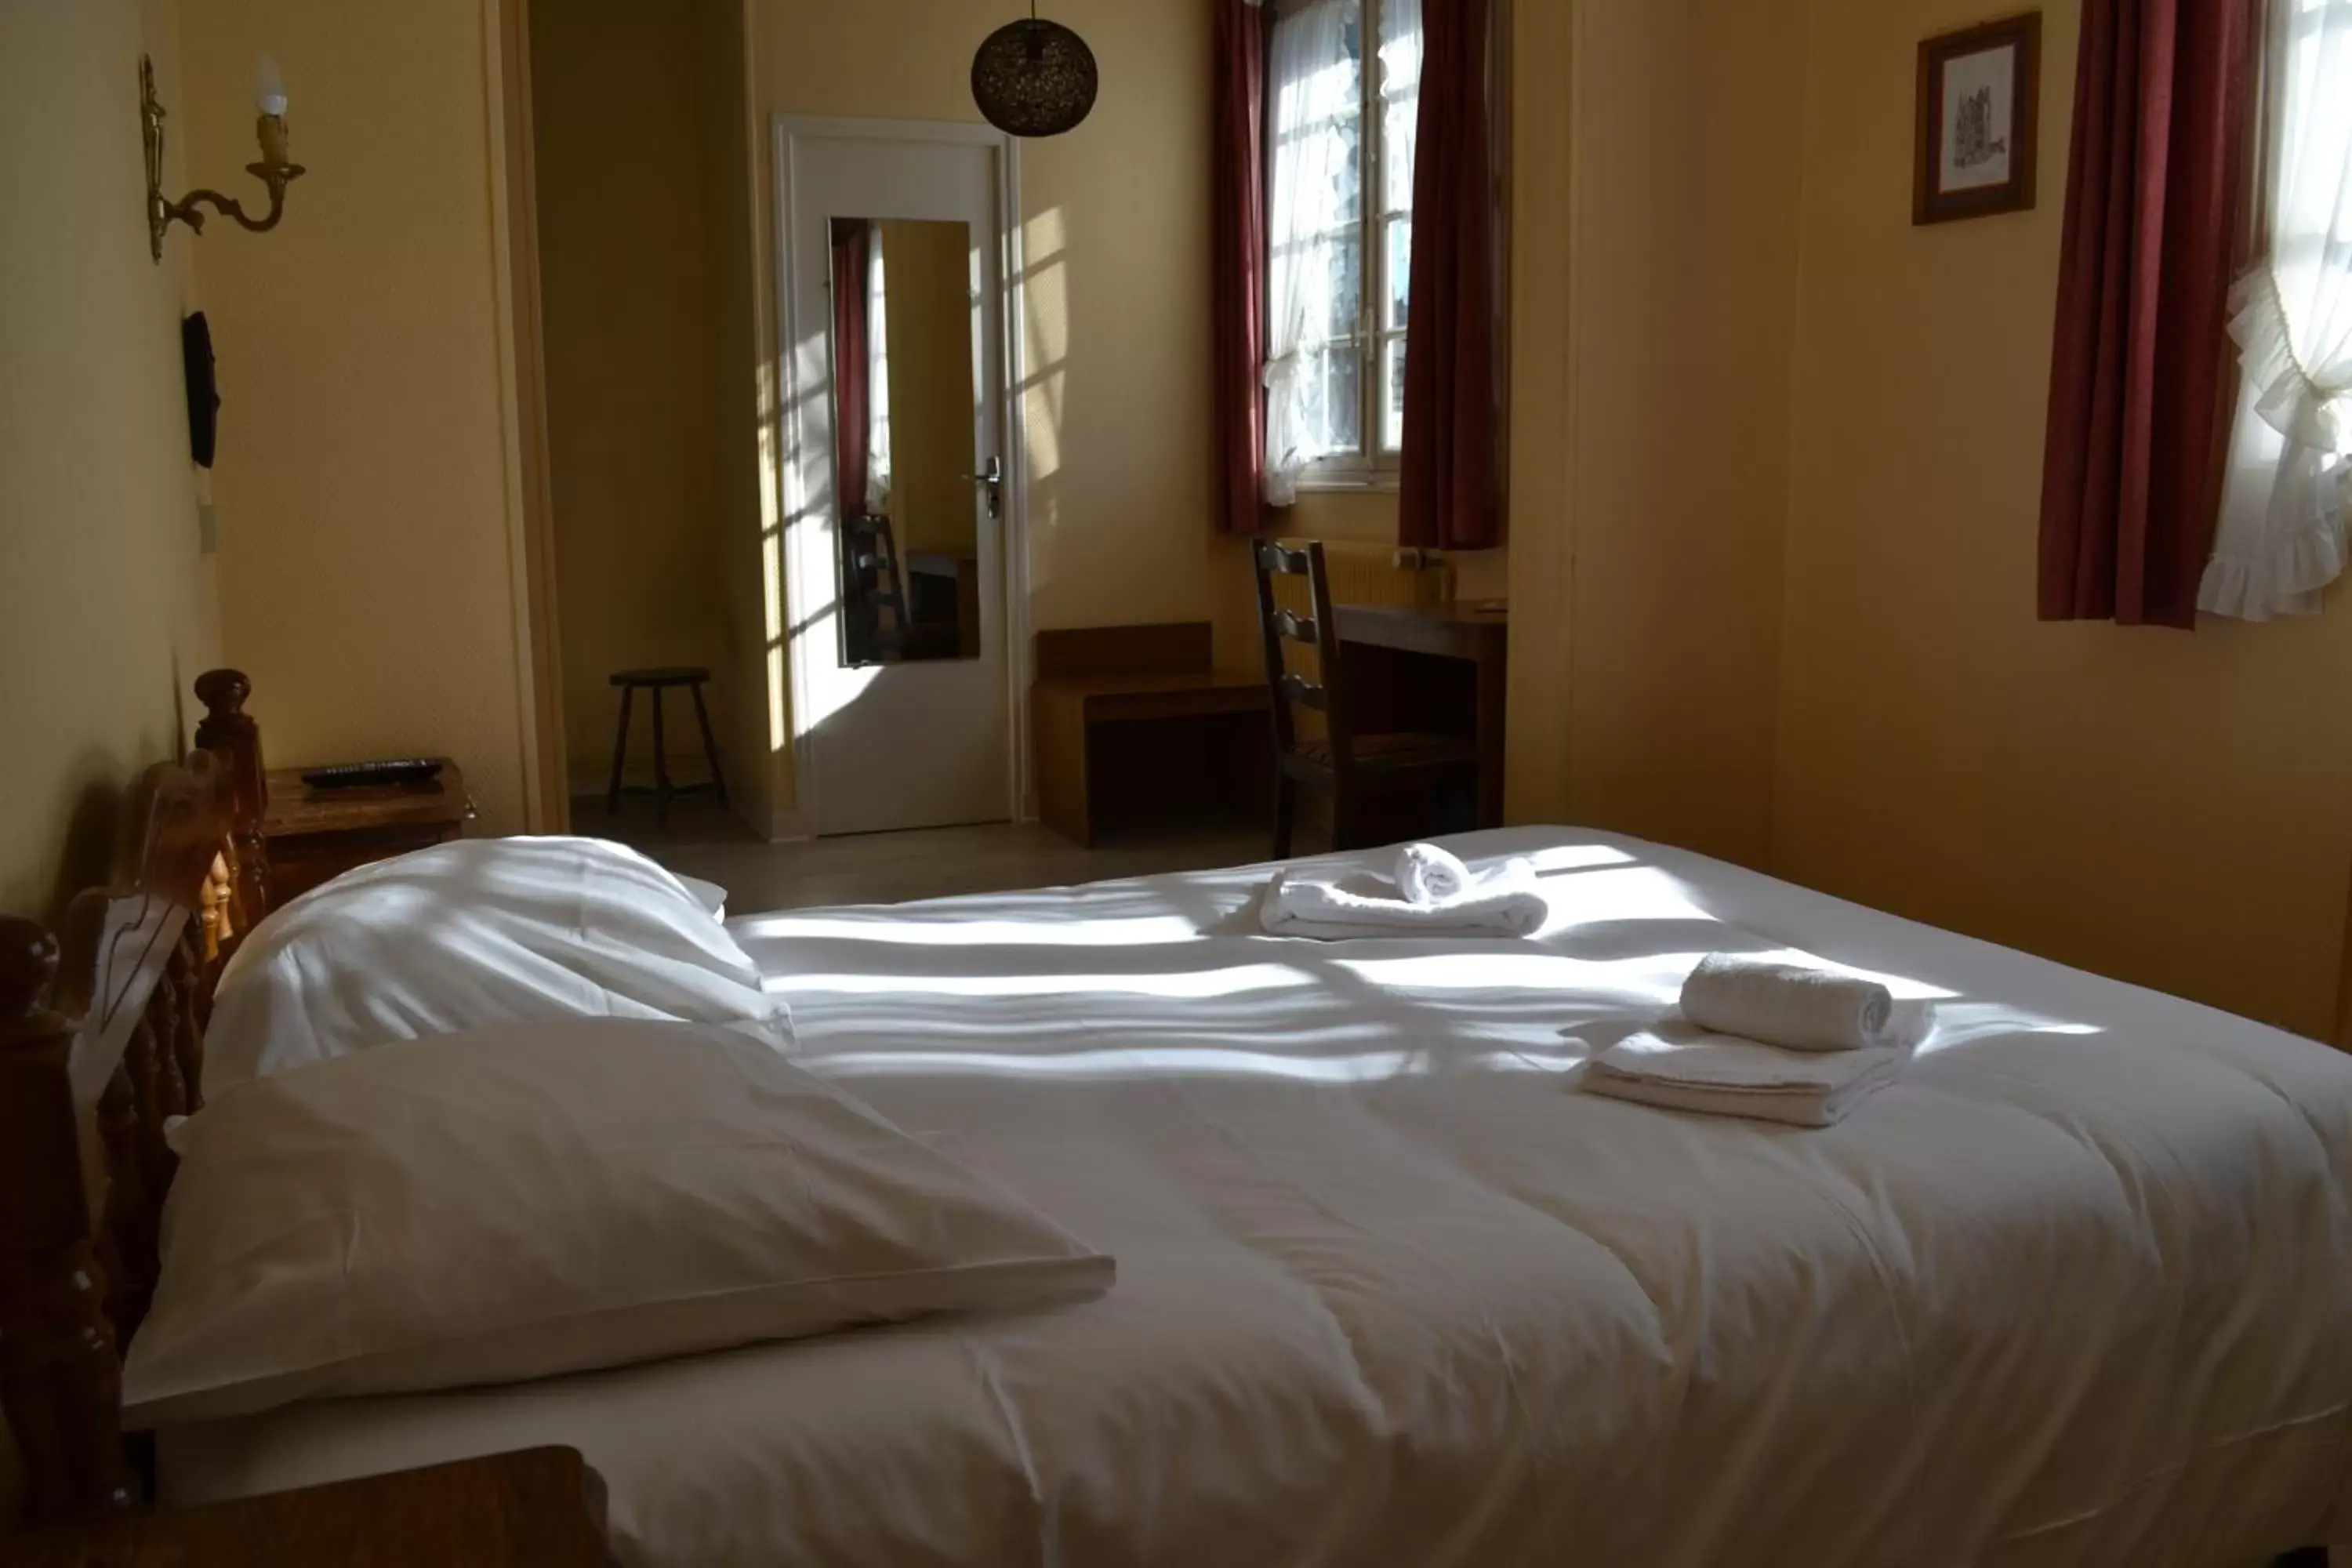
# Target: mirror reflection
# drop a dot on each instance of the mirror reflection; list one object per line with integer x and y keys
{"x": 905, "y": 441}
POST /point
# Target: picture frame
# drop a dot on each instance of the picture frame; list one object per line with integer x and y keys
{"x": 1979, "y": 121}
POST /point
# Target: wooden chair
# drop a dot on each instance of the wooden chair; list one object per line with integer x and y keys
{"x": 873, "y": 586}
{"x": 1356, "y": 769}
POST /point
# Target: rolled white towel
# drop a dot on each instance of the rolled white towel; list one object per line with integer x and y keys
{"x": 1800, "y": 1009}
{"x": 1509, "y": 905}
{"x": 1428, "y": 875}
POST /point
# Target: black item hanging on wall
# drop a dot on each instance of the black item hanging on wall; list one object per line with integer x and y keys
{"x": 204, "y": 397}
{"x": 1035, "y": 79}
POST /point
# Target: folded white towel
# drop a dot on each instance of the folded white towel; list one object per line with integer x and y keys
{"x": 1677, "y": 1067}
{"x": 1801, "y": 1007}
{"x": 1428, "y": 875}
{"x": 1508, "y": 904}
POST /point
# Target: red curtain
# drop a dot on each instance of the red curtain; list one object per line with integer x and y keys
{"x": 1449, "y": 499}
{"x": 2142, "y": 371}
{"x": 1237, "y": 229}
{"x": 853, "y": 354}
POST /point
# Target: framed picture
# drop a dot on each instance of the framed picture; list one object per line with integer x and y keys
{"x": 1980, "y": 113}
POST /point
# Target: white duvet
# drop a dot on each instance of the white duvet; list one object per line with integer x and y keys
{"x": 2078, "y": 1289}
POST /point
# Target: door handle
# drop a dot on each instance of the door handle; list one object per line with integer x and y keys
{"x": 992, "y": 477}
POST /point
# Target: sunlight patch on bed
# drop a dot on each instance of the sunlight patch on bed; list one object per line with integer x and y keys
{"x": 1190, "y": 985}
{"x": 1189, "y": 1061}
{"x": 1148, "y": 931}
{"x": 1962, "y": 1022}
{"x": 1489, "y": 971}
{"x": 1618, "y": 891}
{"x": 1576, "y": 857}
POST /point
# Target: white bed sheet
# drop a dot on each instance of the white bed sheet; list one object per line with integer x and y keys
{"x": 2077, "y": 1290}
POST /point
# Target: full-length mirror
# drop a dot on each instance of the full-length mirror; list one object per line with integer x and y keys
{"x": 906, "y": 453}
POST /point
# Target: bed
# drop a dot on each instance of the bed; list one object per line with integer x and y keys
{"x": 1393, "y": 1290}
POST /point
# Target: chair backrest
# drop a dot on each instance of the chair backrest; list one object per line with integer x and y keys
{"x": 872, "y": 583}
{"x": 1292, "y": 690}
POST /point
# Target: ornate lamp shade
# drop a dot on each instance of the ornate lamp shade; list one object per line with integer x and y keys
{"x": 1035, "y": 79}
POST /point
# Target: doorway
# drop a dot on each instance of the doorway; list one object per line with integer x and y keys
{"x": 902, "y": 539}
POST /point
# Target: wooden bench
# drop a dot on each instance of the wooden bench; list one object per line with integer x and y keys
{"x": 1133, "y": 724}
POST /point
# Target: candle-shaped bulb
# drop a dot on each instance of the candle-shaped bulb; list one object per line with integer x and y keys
{"x": 269, "y": 88}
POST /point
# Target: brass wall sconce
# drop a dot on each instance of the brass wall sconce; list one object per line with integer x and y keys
{"x": 275, "y": 171}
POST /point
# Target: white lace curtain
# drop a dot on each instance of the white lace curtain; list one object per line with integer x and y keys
{"x": 1311, "y": 72}
{"x": 2287, "y": 496}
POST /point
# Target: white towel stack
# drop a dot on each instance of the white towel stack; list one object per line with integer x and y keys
{"x": 1506, "y": 903}
{"x": 1773, "y": 1042}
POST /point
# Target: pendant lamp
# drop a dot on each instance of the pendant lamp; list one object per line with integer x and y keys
{"x": 1034, "y": 78}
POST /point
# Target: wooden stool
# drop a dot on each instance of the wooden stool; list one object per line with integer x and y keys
{"x": 631, "y": 682}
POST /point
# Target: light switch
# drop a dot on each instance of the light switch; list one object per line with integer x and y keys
{"x": 207, "y": 530}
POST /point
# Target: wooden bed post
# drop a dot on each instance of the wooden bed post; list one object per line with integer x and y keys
{"x": 61, "y": 1378}
{"x": 229, "y": 733}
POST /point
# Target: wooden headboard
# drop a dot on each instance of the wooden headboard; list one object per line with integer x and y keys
{"x": 101, "y": 1043}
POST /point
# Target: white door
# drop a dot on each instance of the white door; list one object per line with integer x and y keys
{"x": 893, "y": 282}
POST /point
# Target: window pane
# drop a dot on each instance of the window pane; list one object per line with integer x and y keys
{"x": 1348, "y": 155}
{"x": 1315, "y": 75}
{"x": 1392, "y": 396}
{"x": 1399, "y": 289}
{"x": 1400, "y": 99}
{"x": 1341, "y": 417}
{"x": 1317, "y": 287}
{"x": 1331, "y": 402}
{"x": 1344, "y": 277}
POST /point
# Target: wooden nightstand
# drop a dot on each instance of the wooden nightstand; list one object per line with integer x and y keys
{"x": 541, "y": 1507}
{"x": 315, "y": 834}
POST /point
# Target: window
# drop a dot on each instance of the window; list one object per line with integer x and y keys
{"x": 2286, "y": 506}
{"x": 1340, "y": 129}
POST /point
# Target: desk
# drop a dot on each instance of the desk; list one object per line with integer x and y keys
{"x": 1385, "y": 642}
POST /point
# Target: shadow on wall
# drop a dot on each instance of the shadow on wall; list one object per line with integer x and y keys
{"x": 94, "y": 830}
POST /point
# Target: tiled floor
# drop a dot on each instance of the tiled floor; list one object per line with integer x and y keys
{"x": 703, "y": 840}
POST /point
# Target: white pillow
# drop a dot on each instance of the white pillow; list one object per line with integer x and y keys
{"x": 465, "y": 935}
{"x": 546, "y": 1198}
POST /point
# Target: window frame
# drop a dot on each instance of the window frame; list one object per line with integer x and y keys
{"x": 1369, "y": 467}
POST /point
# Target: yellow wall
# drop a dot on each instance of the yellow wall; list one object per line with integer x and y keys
{"x": 631, "y": 351}
{"x": 368, "y": 487}
{"x": 730, "y": 139}
{"x": 1656, "y": 213}
{"x": 929, "y": 307}
{"x": 110, "y": 608}
{"x": 534, "y": 495}
{"x": 2172, "y": 809}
